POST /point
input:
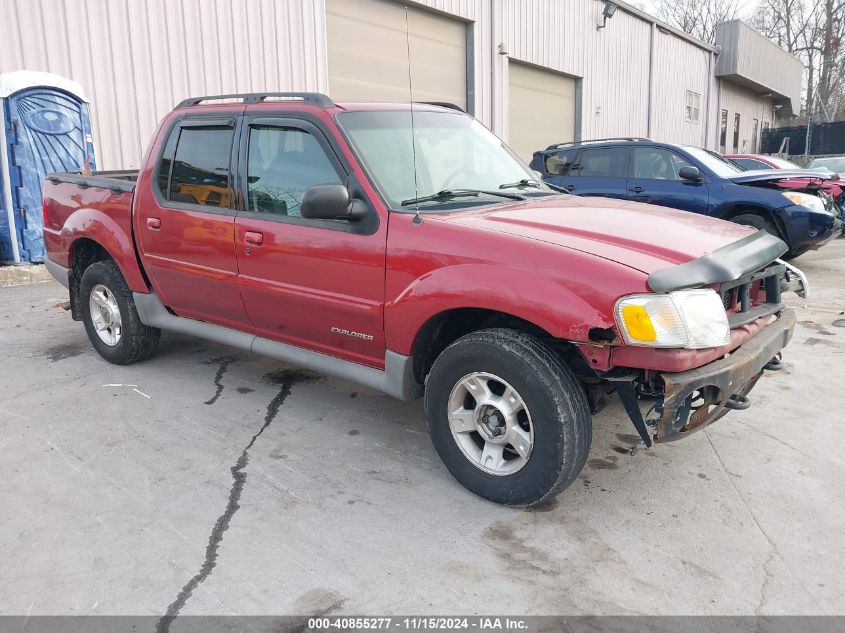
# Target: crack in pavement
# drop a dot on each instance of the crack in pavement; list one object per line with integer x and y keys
{"x": 773, "y": 549}
{"x": 286, "y": 380}
{"x": 224, "y": 361}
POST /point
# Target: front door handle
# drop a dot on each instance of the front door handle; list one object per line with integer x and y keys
{"x": 253, "y": 238}
{"x": 570, "y": 187}
{"x": 154, "y": 224}
{"x": 637, "y": 190}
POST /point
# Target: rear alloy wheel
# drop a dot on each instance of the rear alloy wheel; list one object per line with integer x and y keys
{"x": 110, "y": 317}
{"x": 507, "y": 417}
{"x": 105, "y": 315}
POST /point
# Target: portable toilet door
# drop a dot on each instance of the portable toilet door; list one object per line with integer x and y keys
{"x": 46, "y": 128}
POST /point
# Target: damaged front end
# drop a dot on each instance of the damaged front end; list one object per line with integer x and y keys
{"x": 683, "y": 402}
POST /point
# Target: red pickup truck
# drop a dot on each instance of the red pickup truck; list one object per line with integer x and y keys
{"x": 406, "y": 248}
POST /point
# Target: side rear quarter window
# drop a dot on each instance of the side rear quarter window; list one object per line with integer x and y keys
{"x": 560, "y": 162}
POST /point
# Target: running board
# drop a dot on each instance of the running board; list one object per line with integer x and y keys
{"x": 397, "y": 380}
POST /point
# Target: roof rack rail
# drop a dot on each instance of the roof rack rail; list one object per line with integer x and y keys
{"x": 314, "y": 98}
{"x": 443, "y": 104}
{"x": 599, "y": 140}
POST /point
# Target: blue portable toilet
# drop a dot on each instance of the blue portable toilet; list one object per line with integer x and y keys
{"x": 45, "y": 128}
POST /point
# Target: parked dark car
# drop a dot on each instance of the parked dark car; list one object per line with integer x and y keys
{"x": 691, "y": 179}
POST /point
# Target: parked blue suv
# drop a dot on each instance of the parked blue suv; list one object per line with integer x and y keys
{"x": 692, "y": 179}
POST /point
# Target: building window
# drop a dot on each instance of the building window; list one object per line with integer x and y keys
{"x": 736, "y": 133}
{"x": 693, "y": 106}
{"x": 755, "y": 124}
{"x": 723, "y": 132}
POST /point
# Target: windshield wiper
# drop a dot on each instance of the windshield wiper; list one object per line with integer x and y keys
{"x": 450, "y": 194}
{"x": 527, "y": 182}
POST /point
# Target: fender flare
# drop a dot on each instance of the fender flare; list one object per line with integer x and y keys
{"x": 540, "y": 301}
{"x": 115, "y": 239}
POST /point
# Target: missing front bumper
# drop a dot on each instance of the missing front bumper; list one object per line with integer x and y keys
{"x": 696, "y": 398}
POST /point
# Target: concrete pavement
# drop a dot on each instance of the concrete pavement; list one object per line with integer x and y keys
{"x": 209, "y": 481}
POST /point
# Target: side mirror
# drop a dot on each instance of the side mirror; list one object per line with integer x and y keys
{"x": 326, "y": 202}
{"x": 690, "y": 173}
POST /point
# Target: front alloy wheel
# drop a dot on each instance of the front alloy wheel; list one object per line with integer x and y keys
{"x": 507, "y": 416}
{"x": 490, "y": 423}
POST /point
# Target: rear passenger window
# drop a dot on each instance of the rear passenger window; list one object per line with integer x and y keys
{"x": 283, "y": 162}
{"x": 610, "y": 162}
{"x": 198, "y": 172}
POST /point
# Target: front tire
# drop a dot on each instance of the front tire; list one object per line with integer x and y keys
{"x": 110, "y": 317}
{"x": 507, "y": 417}
{"x": 764, "y": 224}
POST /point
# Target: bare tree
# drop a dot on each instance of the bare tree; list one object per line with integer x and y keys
{"x": 830, "y": 78}
{"x": 698, "y": 17}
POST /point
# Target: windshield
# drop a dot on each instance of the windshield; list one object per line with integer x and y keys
{"x": 831, "y": 164}
{"x": 716, "y": 163}
{"x": 453, "y": 152}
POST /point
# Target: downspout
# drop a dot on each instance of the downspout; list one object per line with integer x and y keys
{"x": 708, "y": 117}
{"x": 651, "y": 53}
{"x": 497, "y": 114}
{"x": 7, "y": 187}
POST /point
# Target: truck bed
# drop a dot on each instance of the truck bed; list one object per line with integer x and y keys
{"x": 116, "y": 181}
{"x": 95, "y": 206}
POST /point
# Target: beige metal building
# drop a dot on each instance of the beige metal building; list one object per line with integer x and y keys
{"x": 534, "y": 71}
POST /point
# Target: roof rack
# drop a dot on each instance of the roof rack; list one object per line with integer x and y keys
{"x": 599, "y": 140}
{"x": 314, "y": 98}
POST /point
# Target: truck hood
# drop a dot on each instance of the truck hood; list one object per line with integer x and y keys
{"x": 641, "y": 236}
{"x": 768, "y": 175}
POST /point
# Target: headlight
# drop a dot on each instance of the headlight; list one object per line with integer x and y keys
{"x": 813, "y": 203}
{"x": 693, "y": 319}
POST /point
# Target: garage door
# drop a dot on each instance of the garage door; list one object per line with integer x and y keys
{"x": 541, "y": 109}
{"x": 368, "y": 53}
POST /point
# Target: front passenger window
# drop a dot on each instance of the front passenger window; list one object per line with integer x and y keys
{"x": 283, "y": 162}
{"x": 654, "y": 163}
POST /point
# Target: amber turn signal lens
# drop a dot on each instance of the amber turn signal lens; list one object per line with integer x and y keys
{"x": 638, "y": 323}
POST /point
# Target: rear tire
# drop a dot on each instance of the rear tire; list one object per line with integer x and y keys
{"x": 110, "y": 317}
{"x": 540, "y": 449}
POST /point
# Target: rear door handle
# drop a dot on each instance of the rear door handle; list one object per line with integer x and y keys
{"x": 637, "y": 190}
{"x": 253, "y": 238}
{"x": 570, "y": 187}
{"x": 154, "y": 224}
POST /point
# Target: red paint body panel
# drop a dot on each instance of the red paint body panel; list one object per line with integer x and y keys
{"x": 72, "y": 213}
{"x": 834, "y": 188}
{"x": 560, "y": 263}
{"x": 190, "y": 259}
{"x": 302, "y": 281}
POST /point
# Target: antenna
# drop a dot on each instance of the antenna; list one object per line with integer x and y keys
{"x": 417, "y": 217}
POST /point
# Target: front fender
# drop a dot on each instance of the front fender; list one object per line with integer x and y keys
{"x": 114, "y": 235}
{"x": 538, "y": 300}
